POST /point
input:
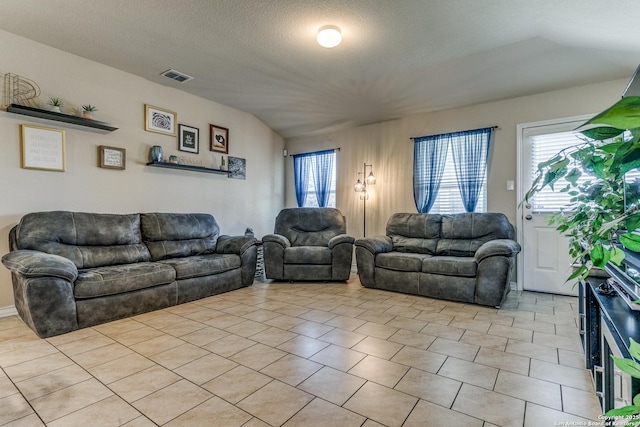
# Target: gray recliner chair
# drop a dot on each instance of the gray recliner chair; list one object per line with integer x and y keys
{"x": 308, "y": 244}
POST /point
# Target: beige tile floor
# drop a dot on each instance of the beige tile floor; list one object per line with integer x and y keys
{"x": 306, "y": 354}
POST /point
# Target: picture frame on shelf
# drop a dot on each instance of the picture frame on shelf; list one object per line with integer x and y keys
{"x": 159, "y": 120}
{"x": 112, "y": 157}
{"x": 218, "y": 139}
{"x": 43, "y": 148}
{"x": 237, "y": 168}
{"x": 189, "y": 139}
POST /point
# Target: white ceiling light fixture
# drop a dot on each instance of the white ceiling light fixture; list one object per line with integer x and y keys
{"x": 329, "y": 36}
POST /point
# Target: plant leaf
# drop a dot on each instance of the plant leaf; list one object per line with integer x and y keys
{"x": 628, "y": 366}
{"x": 630, "y": 241}
{"x": 617, "y": 255}
{"x": 602, "y": 133}
{"x": 634, "y": 348}
{"x": 624, "y": 114}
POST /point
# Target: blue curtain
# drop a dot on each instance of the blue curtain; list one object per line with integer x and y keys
{"x": 322, "y": 175}
{"x": 429, "y": 155}
{"x": 318, "y": 165}
{"x": 301, "y": 168}
{"x": 470, "y": 150}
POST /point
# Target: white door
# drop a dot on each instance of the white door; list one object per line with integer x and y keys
{"x": 544, "y": 263}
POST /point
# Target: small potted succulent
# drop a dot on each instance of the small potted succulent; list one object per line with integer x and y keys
{"x": 87, "y": 111}
{"x": 55, "y": 104}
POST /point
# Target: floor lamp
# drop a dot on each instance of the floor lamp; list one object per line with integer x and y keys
{"x": 361, "y": 187}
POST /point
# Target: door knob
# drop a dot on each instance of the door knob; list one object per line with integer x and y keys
{"x": 528, "y": 217}
{"x": 528, "y": 205}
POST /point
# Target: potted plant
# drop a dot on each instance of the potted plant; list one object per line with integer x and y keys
{"x": 598, "y": 214}
{"x": 55, "y": 104}
{"x": 87, "y": 111}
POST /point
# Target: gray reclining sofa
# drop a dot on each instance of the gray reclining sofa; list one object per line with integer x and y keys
{"x": 462, "y": 257}
{"x": 73, "y": 270}
{"x": 308, "y": 244}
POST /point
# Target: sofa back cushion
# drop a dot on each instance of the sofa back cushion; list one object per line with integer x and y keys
{"x": 310, "y": 226}
{"x": 414, "y": 232}
{"x": 173, "y": 235}
{"x": 462, "y": 234}
{"x": 87, "y": 239}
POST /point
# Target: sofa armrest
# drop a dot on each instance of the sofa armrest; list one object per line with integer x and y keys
{"x": 376, "y": 244}
{"x": 340, "y": 238}
{"x": 497, "y": 247}
{"x": 234, "y": 244}
{"x": 276, "y": 238}
{"x": 31, "y": 264}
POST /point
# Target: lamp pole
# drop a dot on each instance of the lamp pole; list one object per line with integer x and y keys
{"x": 361, "y": 187}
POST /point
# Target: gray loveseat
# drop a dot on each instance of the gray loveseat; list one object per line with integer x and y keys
{"x": 462, "y": 257}
{"x": 73, "y": 270}
{"x": 308, "y": 244}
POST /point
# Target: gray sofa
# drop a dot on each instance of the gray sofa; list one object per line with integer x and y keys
{"x": 73, "y": 270}
{"x": 308, "y": 244}
{"x": 462, "y": 257}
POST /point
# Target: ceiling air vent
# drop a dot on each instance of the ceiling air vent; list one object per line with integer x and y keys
{"x": 177, "y": 76}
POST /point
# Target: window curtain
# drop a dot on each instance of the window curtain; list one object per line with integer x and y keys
{"x": 429, "y": 155}
{"x": 319, "y": 166}
{"x": 301, "y": 168}
{"x": 470, "y": 150}
{"x": 322, "y": 175}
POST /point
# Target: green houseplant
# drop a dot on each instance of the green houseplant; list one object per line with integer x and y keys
{"x": 87, "y": 111}
{"x": 598, "y": 214}
{"x": 55, "y": 104}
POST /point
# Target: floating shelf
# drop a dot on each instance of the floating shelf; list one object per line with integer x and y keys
{"x": 59, "y": 117}
{"x": 187, "y": 167}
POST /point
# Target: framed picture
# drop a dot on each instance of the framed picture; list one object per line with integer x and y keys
{"x": 237, "y": 168}
{"x": 112, "y": 157}
{"x": 218, "y": 139}
{"x": 188, "y": 139}
{"x": 42, "y": 148}
{"x": 159, "y": 120}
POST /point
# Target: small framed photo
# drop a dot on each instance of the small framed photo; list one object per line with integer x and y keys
{"x": 112, "y": 157}
{"x": 42, "y": 148}
{"x": 218, "y": 139}
{"x": 188, "y": 139}
{"x": 159, "y": 120}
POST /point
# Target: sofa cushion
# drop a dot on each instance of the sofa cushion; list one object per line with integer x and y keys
{"x": 450, "y": 266}
{"x": 463, "y": 234}
{"x": 401, "y": 261}
{"x": 417, "y": 233}
{"x": 170, "y": 235}
{"x": 307, "y": 255}
{"x": 87, "y": 239}
{"x": 310, "y": 226}
{"x": 117, "y": 279}
{"x": 202, "y": 265}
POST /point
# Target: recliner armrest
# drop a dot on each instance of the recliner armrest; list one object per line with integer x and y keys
{"x": 30, "y": 263}
{"x": 277, "y": 238}
{"x": 497, "y": 247}
{"x": 234, "y": 244}
{"x": 340, "y": 238}
{"x": 376, "y": 244}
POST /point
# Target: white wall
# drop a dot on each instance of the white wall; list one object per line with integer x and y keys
{"x": 120, "y": 98}
{"x": 388, "y": 147}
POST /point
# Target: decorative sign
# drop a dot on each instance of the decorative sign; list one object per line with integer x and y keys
{"x": 42, "y": 148}
{"x": 112, "y": 157}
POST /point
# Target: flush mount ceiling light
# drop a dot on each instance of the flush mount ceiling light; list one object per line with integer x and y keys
{"x": 329, "y": 36}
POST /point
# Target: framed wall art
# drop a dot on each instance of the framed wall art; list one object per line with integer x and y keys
{"x": 43, "y": 148}
{"x": 188, "y": 139}
{"x": 112, "y": 157}
{"x": 237, "y": 168}
{"x": 218, "y": 139}
{"x": 159, "y": 120}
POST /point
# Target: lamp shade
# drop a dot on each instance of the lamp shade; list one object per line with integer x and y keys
{"x": 359, "y": 187}
{"x": 371, "y": 179}
{"x": 329, "y": 36}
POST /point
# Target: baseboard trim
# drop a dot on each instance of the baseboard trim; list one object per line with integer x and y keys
{"x": 8, "y": 311}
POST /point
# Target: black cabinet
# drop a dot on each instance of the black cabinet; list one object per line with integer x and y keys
{"x": 606, "y": 324}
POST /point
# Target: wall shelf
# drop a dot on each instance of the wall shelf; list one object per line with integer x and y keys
{"x": 59, "y": 117}
{"x": 167, "y": 165}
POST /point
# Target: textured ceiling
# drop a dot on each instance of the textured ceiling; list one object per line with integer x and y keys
{"x": 398, "y": 57}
